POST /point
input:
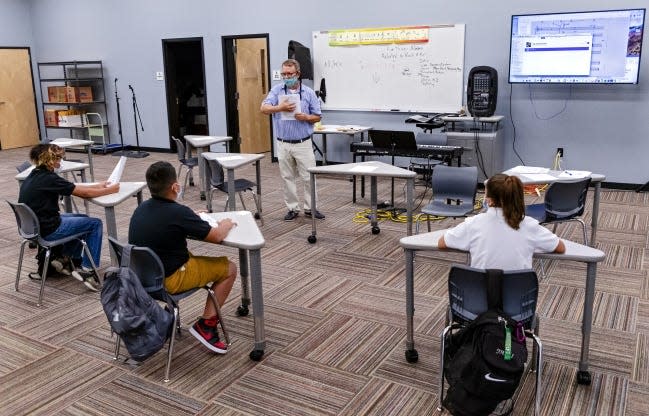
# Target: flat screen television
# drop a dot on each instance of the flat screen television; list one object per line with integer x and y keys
{"x": 598, "y": 47}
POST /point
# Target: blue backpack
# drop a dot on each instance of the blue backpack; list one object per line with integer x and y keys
{"x": 132, "y": 313}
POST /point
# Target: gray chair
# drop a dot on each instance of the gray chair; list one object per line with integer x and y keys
{"x": 29, "y": 230}
{"x": 216, "y": 177}
{"x": 564, "y": 201}
{"x": 25, "y": 165}
{"x": 467, "y": 291}
{"x": 425, "y": 165}
{"x": 148, "y": 267}
{"x": 185, "y": 161}
{"x": 454, "y": 190}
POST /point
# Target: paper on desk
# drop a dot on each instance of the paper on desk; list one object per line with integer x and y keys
{"x": 116, "y": 175}
{"x": 539, "y": 177}
{"x": 528, "y": 169}
{"x": 363, "y": 168}
{"x": 294, "y": 99}
{"x": 207, "y": 217}
{"x": 575, "y": 174}
{"x": 235, "y": 157}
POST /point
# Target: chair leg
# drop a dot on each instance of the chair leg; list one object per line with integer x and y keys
{"x": 182, "y": 191}
{"x": 218, "y": 313}
{"x": 583, "y": 229}
{"x": 243, "y": 204}
{"x": 539, "y": 368}
{"x": 440, "y": 407}
{"x": 20, "y": 262}
{"x": 117, "y": 345}
{"x": 92, "y": 261}
{"x": 428, "y": 221}
{"x": 172, "y": 340}
{"x": 46, "y": 265}
{"x": 209, "y": 199}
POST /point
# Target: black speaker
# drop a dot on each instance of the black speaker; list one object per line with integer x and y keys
{"x": 482, "y": 91}
{"x": 302, "y": 54}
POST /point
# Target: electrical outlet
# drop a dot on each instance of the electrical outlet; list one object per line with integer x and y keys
{"x": 560, "y": 151}
{"x": 276, "y": 76}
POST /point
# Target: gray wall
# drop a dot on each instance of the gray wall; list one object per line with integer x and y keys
{"x": 603, "y": 128}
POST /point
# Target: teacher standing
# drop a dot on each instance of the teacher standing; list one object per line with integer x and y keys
{"x": 295, "y": 108}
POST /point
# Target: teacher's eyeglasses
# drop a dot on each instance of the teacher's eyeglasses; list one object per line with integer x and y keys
{"x": 286, "y": 75}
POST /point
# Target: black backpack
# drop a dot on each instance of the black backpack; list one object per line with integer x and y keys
{"x": 133, "y": 314}
{"x": 484, "y": 361}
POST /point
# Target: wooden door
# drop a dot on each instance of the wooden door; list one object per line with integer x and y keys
{"x": 252, "y": 87}
{"x": 18, "y": 118}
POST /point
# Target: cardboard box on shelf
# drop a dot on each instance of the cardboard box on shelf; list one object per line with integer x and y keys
{"x": 57, "y": 94}
{"x": 70, "y": 118}
{"x": 85, "y": 94}
{"x": 51, "y": 118}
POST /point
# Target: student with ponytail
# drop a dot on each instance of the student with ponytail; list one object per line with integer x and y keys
{"x": 502, "y": 237}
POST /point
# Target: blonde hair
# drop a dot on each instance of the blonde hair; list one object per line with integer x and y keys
{"x": 46, "y": 155}
{"x": 506, "y": 192}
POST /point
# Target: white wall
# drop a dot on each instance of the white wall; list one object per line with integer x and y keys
{"x": 604, "y": 128}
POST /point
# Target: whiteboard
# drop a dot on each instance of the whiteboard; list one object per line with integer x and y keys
{"x": 408, "y": 77}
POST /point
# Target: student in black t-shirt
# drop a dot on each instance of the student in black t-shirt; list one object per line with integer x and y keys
{"x": 41, "y": 191}
{"x": 163, "y": 225}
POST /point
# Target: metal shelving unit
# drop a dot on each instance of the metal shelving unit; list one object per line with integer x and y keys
{"x": 75, "y": 74}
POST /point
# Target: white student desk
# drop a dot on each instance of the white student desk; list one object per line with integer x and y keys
{"x": 373, "y": 169}
{"x": 596, "y": 179}
{"x": 64, "y": 169}
{"x": 350, "y": 131}
{"x": 230, "y": 162}
{"x": 247, "y": 237}
{"x": 574, "y": 252}
{"x": 126, "y": 190}
{"x": 86, "y": 144}
{"x": 201, "y": 144}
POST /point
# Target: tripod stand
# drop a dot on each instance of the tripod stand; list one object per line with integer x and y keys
{"x": 136, "y": 115}
{"x": 122, "y": 152}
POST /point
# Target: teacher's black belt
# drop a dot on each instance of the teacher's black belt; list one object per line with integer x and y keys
{"x": 294, "y": 140}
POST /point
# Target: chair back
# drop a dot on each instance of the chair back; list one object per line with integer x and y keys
{"x": 23, "y": 166}
{"x": 565, "y": 200}
{"x": 467, "y": 291}
{"x": 180, "y": 149}
{"x": 28, "y": 226}
{"x": 147, "y": 266}
{"x": 214, "y": 172}
{"x": 429, "y": 138}
{"x": 455, "y": 183}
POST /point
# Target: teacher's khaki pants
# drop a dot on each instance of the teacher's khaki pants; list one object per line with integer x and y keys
{"x": 294, "y": 159}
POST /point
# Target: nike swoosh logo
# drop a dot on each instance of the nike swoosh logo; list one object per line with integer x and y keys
{"x": 497, "y": 380}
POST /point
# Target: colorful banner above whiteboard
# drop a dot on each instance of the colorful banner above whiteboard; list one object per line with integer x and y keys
{"x": 376, "y": 36}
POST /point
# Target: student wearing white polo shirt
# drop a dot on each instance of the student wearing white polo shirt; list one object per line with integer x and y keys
{"x": 502, "y": 237}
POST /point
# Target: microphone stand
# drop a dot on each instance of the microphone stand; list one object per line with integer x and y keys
{"x": 119, "y": 125}
{"x": 136, "y": 114}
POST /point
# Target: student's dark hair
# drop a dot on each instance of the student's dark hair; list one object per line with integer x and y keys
{"x": 506, "y": 192}
{"x": 46, "y": 154}
{"x": 159, "y": 177}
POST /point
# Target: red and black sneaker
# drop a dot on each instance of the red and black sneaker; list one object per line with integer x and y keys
{"x": 206, "y": 332}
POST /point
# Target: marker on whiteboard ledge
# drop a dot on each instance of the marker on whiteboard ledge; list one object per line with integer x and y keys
{"x": 394, "y": 109}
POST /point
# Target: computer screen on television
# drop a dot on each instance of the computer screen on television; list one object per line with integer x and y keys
{"x": 582, "y": 47}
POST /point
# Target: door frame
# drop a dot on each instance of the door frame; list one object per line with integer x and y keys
{"x": 230, "y": 87}
{"x": 31, "y": 72}
{"x": 165, "y": 42}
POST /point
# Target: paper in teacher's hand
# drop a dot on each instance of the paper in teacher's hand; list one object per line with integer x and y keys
{"x": 116, "y": 175}
{"x": 294, "y": 99}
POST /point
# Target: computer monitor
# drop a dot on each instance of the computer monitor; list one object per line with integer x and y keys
{"x": 393, "y": 139}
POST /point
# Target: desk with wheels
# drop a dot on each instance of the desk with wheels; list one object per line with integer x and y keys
{"x": 247, "y": 237}
{"x": 86, "y": 144}
{"x": 325, "y": 129}
{"x": 574, "y": 252}
{"x": 201, "y": 144}
{"x": 556, "y": 176}
{"x": 126, "y": 190}
{"x": 373, "y": 169}
{"x": 230, "y": 162}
